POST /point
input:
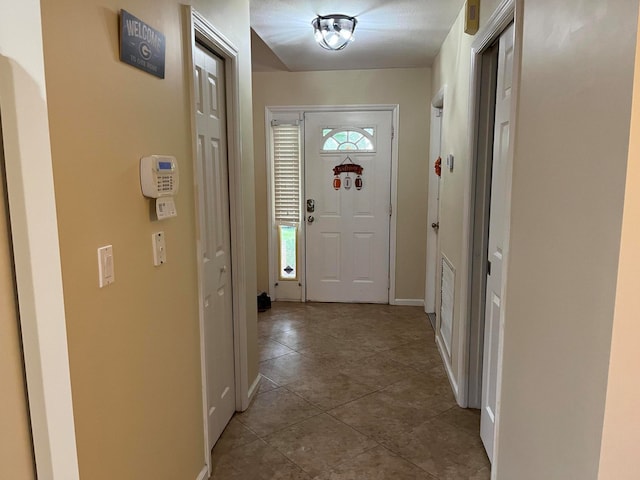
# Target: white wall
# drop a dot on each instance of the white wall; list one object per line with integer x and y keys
{"x": 25, "y": 128}
{"x": 619, "y": 454}
{"x": 571, "y": 143}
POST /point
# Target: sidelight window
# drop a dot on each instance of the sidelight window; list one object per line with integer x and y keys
{"x": 286, "y": 195}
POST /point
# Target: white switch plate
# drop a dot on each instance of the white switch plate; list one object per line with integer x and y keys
{"x": 159, "y": 249}
{"x": 106, "y": 272}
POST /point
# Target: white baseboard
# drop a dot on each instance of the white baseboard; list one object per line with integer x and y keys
{"x": 409, "y": 302}
{"x": 253, "y": 389}
{"x": 204, "y": 474}
{"x": 447, "y": 366}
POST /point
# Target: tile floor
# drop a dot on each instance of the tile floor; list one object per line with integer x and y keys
{"x": 350, "y": 392}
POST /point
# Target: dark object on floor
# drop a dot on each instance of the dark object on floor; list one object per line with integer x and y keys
{"x": 264, "y": 302}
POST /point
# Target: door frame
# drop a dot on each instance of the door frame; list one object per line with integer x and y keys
{"x": 272, "y": 112}
{"x": 290, "y": 117}
{"x": 433, "y": 247}
{"x": 204, "y": 33}
{"x": 507, "y": 12}
{"x": 34, "y": 233}
{"x": 482, "y": 173}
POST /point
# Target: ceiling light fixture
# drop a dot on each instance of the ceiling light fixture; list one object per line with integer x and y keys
{"x": 334, "y": 32}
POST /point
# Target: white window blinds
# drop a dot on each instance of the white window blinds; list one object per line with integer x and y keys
{"x": 286, "y": 173}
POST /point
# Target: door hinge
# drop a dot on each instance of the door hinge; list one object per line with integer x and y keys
{"x": 390, "y": 210}
{"x": 488, "y": 267}
{"x": 393, "y": 132}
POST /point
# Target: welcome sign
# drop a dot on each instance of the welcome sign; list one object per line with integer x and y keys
{"x": 141, "y": 45}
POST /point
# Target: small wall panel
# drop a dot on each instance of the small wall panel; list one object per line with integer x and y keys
{"x": 446, "y": 306}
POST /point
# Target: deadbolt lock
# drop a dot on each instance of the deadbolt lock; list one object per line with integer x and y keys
{"x": 311, "y": 205}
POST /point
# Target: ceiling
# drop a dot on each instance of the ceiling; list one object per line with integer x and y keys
{"x": 389, "y": 33}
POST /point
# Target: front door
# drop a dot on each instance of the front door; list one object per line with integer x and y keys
{"x": 497, "y": 229}
{"x": 348, "y": 206}
{"x": 214, "y": 240}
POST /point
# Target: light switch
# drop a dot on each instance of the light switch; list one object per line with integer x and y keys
{"x": 106, "y": 272}
{"x": 159, "y": 249}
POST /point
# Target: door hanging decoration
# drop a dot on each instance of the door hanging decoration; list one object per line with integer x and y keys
{"x": 347, "y": 166}
{"x": 437, "y": 166}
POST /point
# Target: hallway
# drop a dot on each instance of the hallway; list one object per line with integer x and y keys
{"x": 350, "y": 392}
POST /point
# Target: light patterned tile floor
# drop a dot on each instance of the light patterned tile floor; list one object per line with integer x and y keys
{"x": 350, "y": 392}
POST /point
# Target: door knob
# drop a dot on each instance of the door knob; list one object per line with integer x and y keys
{"x": 435, "y": 225}
{"x": 310, "y": 219}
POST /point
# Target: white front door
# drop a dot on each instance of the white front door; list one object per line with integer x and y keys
{"x": 497, "y": 229}
{"x": 214, "y": 240}
{"x": 346, "y": 213}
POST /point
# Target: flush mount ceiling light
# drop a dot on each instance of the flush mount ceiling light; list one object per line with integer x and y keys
{"x": 334, "y": 32}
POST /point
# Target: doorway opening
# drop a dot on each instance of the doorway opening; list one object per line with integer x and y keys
{"x": 480, "y": 230}
{"x": 225, "y": 384}
{"x": 214, "y": 242}
{"x": 432, "y": 288}
{"x": 347, "y": 191}
{"x": 494, "y": 79}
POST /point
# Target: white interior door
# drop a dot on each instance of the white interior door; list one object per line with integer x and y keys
{"x": 347, "y": 233}
{"x": 214, "y": 240}
{"x": 433, "y": 212}
{"x": 497, "y": 228}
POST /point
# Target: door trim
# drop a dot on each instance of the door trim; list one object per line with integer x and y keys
{"x": 508, "y": 11}
{"x": 270, "y": 112}
{"x": 482, "y": 173}
{"x": 204, "y": 33}
{"x": 285, "y": 116}
{"x": 34, "y": 232}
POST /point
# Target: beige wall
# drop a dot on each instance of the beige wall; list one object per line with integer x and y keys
{"x": 619, "y": 454}
{"x": 451, "y": 70}
{"x": 16, "y": 459}
{"x": 133, "y": 346}
{"x": 571, "y": 150}
{"x": 487, "y": 8}
{"x": 411, "y": 89}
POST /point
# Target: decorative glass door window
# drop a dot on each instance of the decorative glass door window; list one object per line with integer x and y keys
{"x": 352, "y": 139}
{"x": 287, "y": 252}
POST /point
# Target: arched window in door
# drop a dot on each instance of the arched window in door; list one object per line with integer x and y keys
{"x": 353, "y": 139}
